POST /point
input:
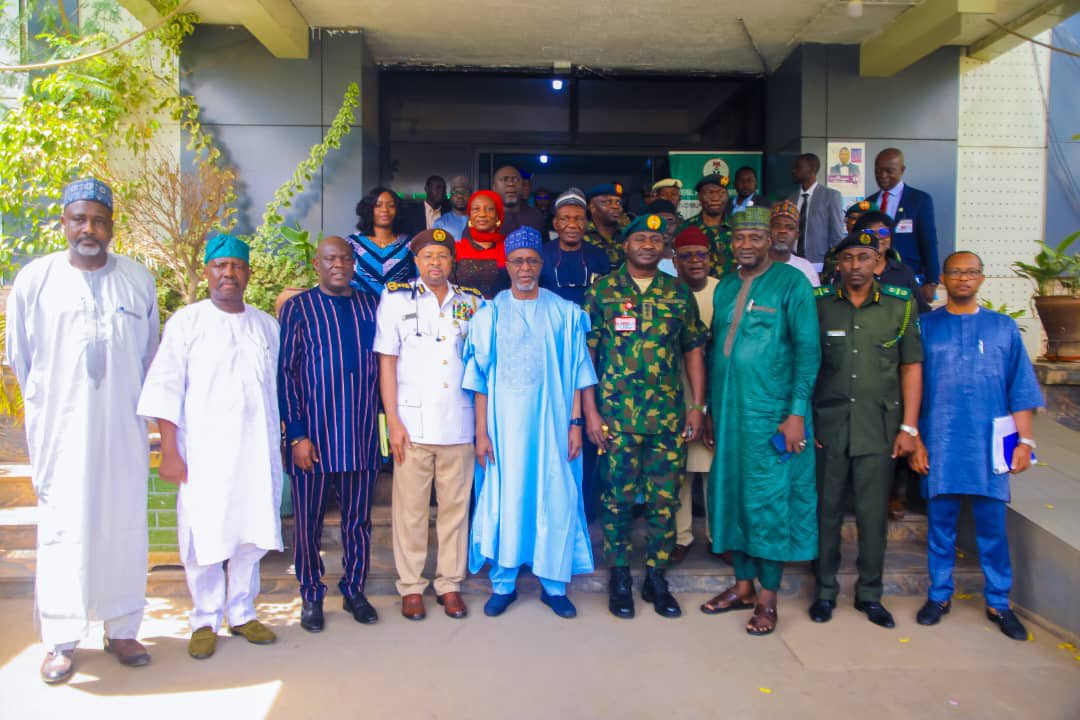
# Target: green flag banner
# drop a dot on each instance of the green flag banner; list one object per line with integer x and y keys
{"x": 691, "y": 166}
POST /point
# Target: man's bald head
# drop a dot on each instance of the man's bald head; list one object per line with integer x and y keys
{"x": 334, "y": 263}
{"x": 889, "y": 168}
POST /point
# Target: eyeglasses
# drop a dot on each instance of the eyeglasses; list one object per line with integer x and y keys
{"x": 967, "y": 274}
{"x": 881, "y": 232}
{"x": 522, "y": 262}
{"x": 459, "y": 191}
{"x": 701, "y": 255}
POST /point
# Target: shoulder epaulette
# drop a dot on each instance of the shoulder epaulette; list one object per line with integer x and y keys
{"x": 470, "y": 291}
{"x": 898, "y": 292}
{"x": 394, "y": 286}
{"x": 823, "y": 291}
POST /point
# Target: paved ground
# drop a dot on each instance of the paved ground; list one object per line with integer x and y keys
{"x": 530, "y": 664}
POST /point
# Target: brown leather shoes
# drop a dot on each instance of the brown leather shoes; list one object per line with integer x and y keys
{"x": 679, "y": 554}
{"x": 58, "y": 666}
{"x": 453, "y": 605}
{"x": 412, "y": 607}
{"x": 128, "y": 651}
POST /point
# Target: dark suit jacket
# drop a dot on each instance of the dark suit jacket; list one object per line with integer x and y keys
{"x": 918, "y": 248}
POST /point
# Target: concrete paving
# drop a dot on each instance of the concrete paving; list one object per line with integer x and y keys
{"x": 530, "y": 664}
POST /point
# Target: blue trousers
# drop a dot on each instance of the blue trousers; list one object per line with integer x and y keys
{"x": 354, "y": 491}
{"x": 942, "y": 512}
{"x": 504, "y": 580}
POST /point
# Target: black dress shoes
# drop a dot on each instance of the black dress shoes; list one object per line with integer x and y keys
{"x": 821, "y": 610}
{"x": 876, "y": 613}
{"x": 1009, "y": 623}
{"x": 931, "y": 611}
{"x": 311, "y": 616}
{"x": 361, "y": 609}
{"x": 655, "y": 590}
{"x": 621, "y": 593}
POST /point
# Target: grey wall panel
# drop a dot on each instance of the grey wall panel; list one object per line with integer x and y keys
{"x": 815, "y": 90}
{"x": 237, "y": 81}
{"x": 414, "y": 162}
{"x": 342, "y": 63}
{"x": 343, "y": 184}
{"x": 1063, "y": 161}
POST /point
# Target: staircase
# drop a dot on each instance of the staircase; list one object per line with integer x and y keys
{"x": 905, "y": 563}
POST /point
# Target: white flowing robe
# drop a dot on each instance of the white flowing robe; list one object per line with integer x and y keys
{"x": 215, "y": 378}
{"x": 79, "y": 343}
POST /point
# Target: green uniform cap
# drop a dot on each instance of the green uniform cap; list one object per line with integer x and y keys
{"x": 645, "y": 223}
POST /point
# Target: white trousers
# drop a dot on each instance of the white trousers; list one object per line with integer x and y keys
{"x": 57, "y": 634}
{"x": 215, "y": 596}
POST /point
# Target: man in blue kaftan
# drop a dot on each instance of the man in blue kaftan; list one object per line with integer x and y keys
{"x": 527, "y": 362}
{"x": 976, "y": 372}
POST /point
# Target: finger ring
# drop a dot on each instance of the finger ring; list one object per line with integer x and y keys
{"x": 802, "y": 444}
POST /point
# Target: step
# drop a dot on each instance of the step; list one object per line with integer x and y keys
{"x": 16, "y": 488}
{"x": 18, "y": 528}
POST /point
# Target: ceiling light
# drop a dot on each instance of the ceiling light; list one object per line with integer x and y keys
{"x": 556, "y": 84}
{"x": 544, "y": 159}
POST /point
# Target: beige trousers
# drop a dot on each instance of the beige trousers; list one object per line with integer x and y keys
{"x": 684, "y": 519}
{"x": 451, "y": 469}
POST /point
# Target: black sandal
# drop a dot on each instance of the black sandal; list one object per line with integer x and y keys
{"x": 762, "y": 612}
{"x": 726, "y": 602}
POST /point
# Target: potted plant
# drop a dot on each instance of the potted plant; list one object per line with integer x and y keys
{"x": 1056, "y": 274}
{"x": 298, "y": 248}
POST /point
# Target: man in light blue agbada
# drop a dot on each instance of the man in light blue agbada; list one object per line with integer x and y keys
{"x": 527, "y": 362}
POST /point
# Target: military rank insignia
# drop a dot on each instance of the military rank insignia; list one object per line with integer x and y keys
{"x": 463, "y": 310}
{"x": 438, "y": 235}
{"x": 653, "y": 222}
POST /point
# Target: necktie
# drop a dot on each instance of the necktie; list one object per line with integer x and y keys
{"x": 800, "y": 250}
{"x": 885, "y": 203}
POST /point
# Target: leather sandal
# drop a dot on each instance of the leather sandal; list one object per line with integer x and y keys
{"x": 763, "y": 621}
{"x": 727, "y": 601}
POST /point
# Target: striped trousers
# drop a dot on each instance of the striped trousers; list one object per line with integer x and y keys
{"x": 354, "y": 491}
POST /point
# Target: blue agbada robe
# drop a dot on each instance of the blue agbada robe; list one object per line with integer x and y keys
{"x": 975, "y": 369}
{"x": 528, "y": 357}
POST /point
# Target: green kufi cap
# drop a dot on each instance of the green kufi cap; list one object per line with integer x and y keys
{"x": 226, "y": 246}
{"x": 755, "y": 217}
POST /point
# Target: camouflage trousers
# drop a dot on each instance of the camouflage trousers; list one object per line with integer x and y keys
{"x": 646, "y": 465}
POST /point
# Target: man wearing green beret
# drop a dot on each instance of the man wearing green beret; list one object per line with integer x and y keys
{"x": 645, "y": 328}
{"x": 213, "y": 390}
{"x": 605, "y": 218}
{"x": 762, "y": 368}
{"x": 712, "y": 192}
{"x": 866, "y": 411}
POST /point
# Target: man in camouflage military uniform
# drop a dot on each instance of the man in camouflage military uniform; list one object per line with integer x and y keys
{"x": 712, "y": 191}
{"x": 605, "y": 218}
{"x": 645, "y": 326}
{"x": 866, "y": 408}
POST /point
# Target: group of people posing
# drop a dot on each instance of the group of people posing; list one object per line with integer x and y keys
{"x": 521, "y": 373}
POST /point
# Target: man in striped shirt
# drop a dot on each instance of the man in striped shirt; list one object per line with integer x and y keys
{"x": 327, "y": 385}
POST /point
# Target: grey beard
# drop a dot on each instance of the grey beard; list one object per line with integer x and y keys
{"x": 523, "y": 287}
{"x": 88, "y": 250}
{"x": 781, "y": 248}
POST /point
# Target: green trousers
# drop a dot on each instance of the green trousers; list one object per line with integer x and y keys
{"x": 870, "y": 477}
{"x": 767, "y": 572}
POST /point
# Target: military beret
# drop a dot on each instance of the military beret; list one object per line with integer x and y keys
{"x": 859, "y": 238}
{"x": 434, "y": 236}
{"x": 714, "y": 179}
{"x": 645, "y": 223}
{"x": 605, "y": 189}
{"x": 859, "y": 208}
{"x": 661, "y": 206}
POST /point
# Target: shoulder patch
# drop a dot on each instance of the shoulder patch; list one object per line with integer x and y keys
{"x": 898, "y": 292}
{"x": 470, "y": 291}
{"x": 823, "y": 291}
{"x": 394, "y": 286}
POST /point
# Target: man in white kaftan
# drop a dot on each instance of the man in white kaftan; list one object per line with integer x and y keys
{"x": 82, "y": 326}
{"x": 213, "y": 390}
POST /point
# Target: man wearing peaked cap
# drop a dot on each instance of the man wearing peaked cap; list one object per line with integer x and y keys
{"x": 712, "y": 192}
{"x": 420, "y": 337}
{"x": 605, "y": 205}
{"x": 669, "y": 189}
{"x": 213, "y": 390}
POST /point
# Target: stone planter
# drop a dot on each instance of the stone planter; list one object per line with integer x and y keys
{"x": 1060, "y": 316}
{"x": 286, "y": 294}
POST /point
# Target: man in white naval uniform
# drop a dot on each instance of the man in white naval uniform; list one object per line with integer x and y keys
{"x": 82, "y": 326}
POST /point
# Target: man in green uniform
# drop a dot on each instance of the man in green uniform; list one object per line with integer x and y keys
{"x": 712, "y": 192}
{"x": 605, "y": 216}
{"x": 762, "y": 367}
{"x": 866, "y": 408}
{"x": 645, "y": 327}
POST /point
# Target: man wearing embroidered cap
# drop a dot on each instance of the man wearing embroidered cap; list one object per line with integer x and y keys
{"x": 765, "y": 358}
{"x": 570, "y": 264}
{"x": 712, "y": 192}
{"x": 82, "y": 325}
{"x": 420, "y": 338}
{"x": 526, "y": 363}
{"x": 213, "y": 390}
{"x": 645, "y": 327}
{"x": 784, "y": 232}
{"x": 606, "y": 215}
{"x": 866, "y": 411}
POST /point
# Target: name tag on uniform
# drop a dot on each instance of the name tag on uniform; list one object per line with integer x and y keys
{"x": 625, "y": 323}
{"x": 905, "y": 226}
{"x": 836, "y": 333}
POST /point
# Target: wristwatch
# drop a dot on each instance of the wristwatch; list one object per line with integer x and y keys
{"x": 703, "y": 408}
{"x": 1028, "y": 441}
{"x": 910, "y": 430}
{"x": 579, "y": 422}
{"x": 297, "y": 441}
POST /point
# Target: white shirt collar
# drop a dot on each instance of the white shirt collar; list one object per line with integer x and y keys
{"x": 810, "y": 190}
